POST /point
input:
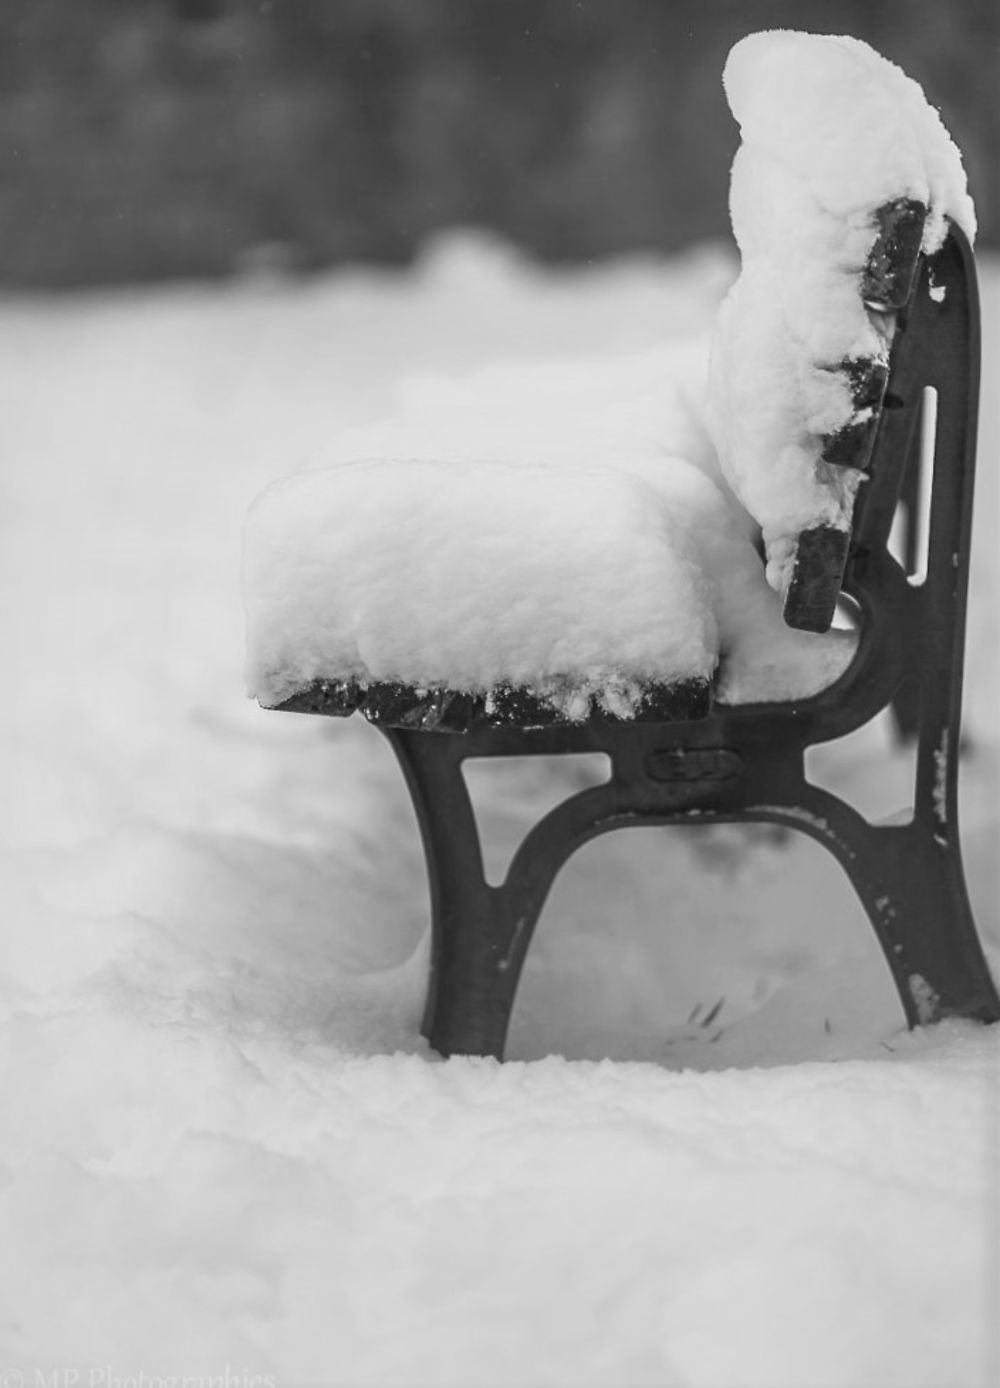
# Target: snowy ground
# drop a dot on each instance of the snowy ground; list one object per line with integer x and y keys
{"x": 225, "y": 1148}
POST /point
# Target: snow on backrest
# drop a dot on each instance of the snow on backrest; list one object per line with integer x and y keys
{"x": 831, "y": 133}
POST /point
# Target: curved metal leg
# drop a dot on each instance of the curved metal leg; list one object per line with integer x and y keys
{"x": 479, "y": 933}
{"x": 910, "y": 880}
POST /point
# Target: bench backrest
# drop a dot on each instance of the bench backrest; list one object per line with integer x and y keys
{"x": 927, "y": 306}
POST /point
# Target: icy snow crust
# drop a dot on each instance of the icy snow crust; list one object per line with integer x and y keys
{"x": 831, "y": 131}
{"x": 222, "y": 1140}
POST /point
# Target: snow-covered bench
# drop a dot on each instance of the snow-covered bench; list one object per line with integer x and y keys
{"x": 677, "y": 614}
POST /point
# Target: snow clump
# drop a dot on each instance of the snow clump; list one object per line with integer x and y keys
{"x": 472, "y": 577}
{"x": 831, "y": 132}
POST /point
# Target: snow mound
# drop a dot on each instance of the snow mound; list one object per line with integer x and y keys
{"x": 472, "y": 577}
{"x": 848, "y": 125}
{"x": 553, "y": 571}
{"x": 831, "y": 132}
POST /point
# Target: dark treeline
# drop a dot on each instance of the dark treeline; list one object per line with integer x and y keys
{"x": 144, "y": 139}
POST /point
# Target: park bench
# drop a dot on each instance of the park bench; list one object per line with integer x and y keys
{"x": 684, "y": 752}
{"x": 685, "y": 758}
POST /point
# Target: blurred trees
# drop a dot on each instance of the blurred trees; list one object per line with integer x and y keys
{"x": 154, "y": 138}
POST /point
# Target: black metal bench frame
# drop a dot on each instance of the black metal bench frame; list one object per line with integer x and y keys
{"x": 698, "y": 763}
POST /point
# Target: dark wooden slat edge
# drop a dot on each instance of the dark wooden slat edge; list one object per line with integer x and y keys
{"x": 817, "y": 578}
{"x": 887, "y": 284}
{"x": 889, "y": 277}
{"x": 852, "y": 446}
{"x": 398, "y": 705}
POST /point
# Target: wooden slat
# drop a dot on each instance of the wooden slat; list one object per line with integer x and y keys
{"x": 887, "y": 285}
{"x": 817, "y": 578}
{"x": 888, "y": 279}
{"x": 397, "y": 705}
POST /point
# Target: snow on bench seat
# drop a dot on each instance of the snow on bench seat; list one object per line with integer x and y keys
{"x": 475, "y": 578}
{"x": 513, "y": 592}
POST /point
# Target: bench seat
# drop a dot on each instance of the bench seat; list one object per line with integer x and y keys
{"x": 450, "y": 595}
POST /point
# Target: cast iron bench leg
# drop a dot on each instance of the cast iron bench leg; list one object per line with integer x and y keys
{"x": 479, "y": 933}
{"x": 909, "y": 879}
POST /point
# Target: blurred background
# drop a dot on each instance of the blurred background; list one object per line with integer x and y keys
{"x": 156, "y": 139}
